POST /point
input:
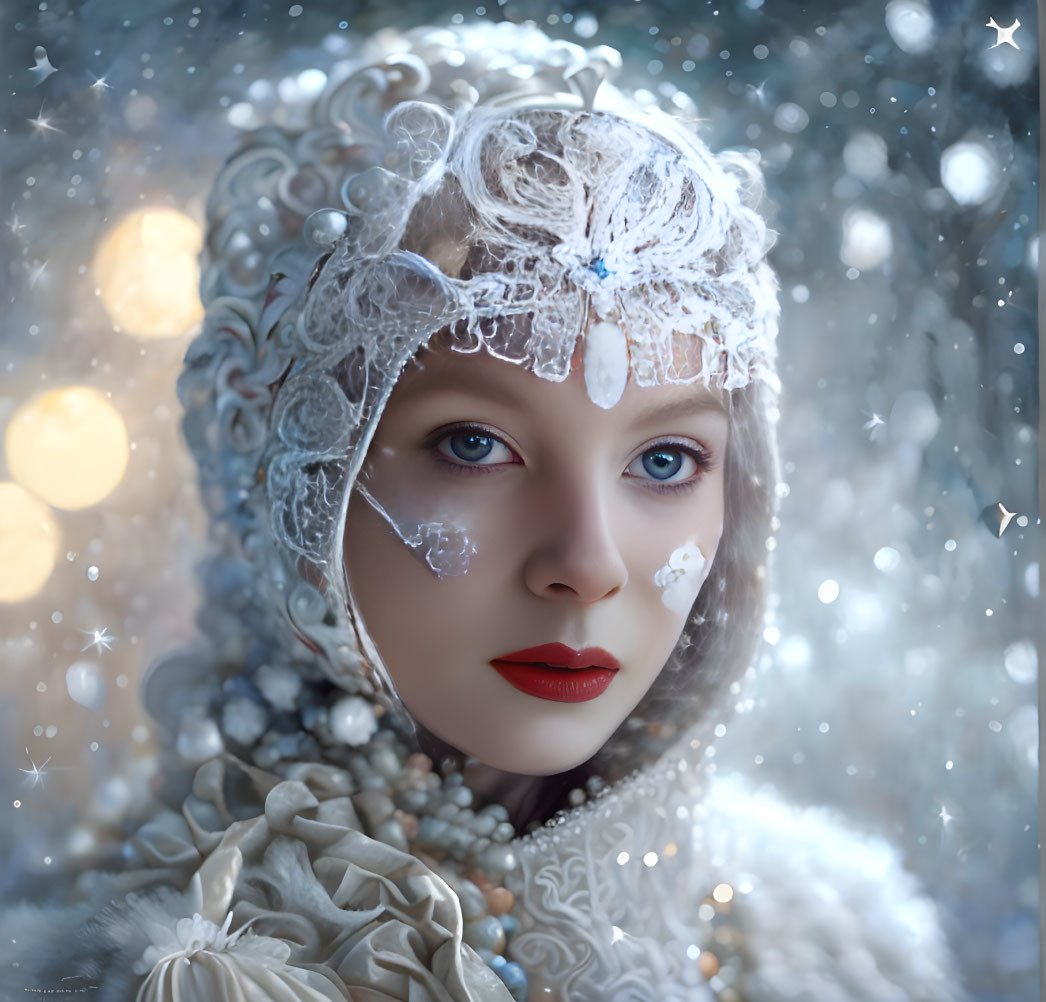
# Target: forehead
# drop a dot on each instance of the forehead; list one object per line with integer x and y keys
{"x": 443, "y": 372}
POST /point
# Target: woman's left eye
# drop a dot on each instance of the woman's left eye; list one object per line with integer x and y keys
{"x": 473, "y": 448}
{"x": 666, "y": 464}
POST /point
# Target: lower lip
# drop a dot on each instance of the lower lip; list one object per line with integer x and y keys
{"x": 561, "y": 685}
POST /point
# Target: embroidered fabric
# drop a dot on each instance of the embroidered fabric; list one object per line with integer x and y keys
{"x": 677, "y": 885}
{"x": 320, "y": 909}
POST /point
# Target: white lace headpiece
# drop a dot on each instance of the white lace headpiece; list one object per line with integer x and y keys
{"x": 578, "y": 216}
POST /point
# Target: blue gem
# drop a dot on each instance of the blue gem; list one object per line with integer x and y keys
{"x": 601, "y": 270}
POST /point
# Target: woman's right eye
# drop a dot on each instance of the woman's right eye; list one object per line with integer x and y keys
{"x": 473, "y": 447}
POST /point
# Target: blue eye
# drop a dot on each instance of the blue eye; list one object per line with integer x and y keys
{"x": 663, "y": 464}
{"x": 472, "y": 448}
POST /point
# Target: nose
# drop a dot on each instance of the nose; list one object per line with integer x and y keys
{"x": 577, "y": 556}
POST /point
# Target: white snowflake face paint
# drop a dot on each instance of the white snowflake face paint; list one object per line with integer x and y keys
{"x": 443, "y": 547}
{"x": 570, "y": 505}
{"x": 681, "y": 578}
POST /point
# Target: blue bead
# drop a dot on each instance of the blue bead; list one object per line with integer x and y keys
{"x": 515, "y": 979}
{"x": 498, "y": 962}
{"x": 510, "y": 924}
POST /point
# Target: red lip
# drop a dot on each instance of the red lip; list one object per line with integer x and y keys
{"x": 558, "y": 672}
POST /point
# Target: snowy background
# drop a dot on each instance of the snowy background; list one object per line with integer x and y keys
{"x": 898, "y": 678}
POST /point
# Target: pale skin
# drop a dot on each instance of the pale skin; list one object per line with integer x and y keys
{"x": 572, "y": 510}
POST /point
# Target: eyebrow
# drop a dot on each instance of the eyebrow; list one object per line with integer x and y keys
{"x": 492, "y": 389}
{"x": 684, "y": 407}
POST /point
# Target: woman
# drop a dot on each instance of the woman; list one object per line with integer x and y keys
{"x": 484, "y": 410}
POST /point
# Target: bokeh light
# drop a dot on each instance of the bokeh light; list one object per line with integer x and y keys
{"x": 969, "y": 172}
{"x": 1022, "y": 662}
{"x": 68, "y": 447}
{"x": 867, "y": 241}
{"x": 866, "y": 156}
{"x": 910, "y": 25}
{"x": 147, "y": 273}
{"x": 828, "y": 591}
{"x": 29, "y": 542}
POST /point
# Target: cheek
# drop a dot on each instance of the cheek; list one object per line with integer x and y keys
{"x": 441, "y": 542}
{"x": 680, "y": 549}
{"x": 413, "y": 613}
{"x": 389, "y": 578}
{"x": 680, "y": 578}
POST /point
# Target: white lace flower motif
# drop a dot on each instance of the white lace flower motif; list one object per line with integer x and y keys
{"x": 190, "y": 936}
{"x": 188, "y": 959}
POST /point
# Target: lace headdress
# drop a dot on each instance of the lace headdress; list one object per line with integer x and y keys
{"x": 489, "y": 186}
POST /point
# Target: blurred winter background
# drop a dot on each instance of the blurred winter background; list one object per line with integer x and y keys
{"x": 898, "y": 677}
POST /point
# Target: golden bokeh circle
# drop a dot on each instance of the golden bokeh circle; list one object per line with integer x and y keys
{"x": 29, "y": 543}
{"x": 147, "y": 272}
{"x": 68, "y": 446}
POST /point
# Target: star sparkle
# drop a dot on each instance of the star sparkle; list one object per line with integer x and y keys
{"x": 99, "y": 85}
{"x": 1005, "y": 35}
{"x": 15, "y": 225}
{"x": 42, "y": 123}
{"x": 945, "y": 816}
{"x": 100, "y": 640}
{"x": 36, "y": 273}
{"x": 875, "y": 426}
{"x": 35, "y": 775}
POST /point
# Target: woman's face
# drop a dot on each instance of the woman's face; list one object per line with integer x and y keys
{"x": 588, "y": 528}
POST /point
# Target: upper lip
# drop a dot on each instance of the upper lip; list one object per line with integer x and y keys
{"x": 562, "y": 656}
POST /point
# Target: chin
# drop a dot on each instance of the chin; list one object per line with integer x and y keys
{"x": 523, "y": 751}
{"x": 524, "y": 761}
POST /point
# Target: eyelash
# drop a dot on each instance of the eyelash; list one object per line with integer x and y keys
{"x": 464, "y": 469}
{"x": 702, "y": 458}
